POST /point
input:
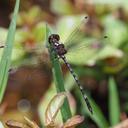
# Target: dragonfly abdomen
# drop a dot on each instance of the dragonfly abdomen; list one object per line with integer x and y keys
{"x": 61, "y": 51}
{"x": 78, "y": 83}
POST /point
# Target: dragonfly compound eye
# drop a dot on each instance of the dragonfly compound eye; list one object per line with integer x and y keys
{"x": 56, "y": 36}
{"x": 52, "y": 37}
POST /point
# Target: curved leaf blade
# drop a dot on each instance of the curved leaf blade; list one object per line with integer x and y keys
{"x": 114, "y": 109}
{"x": 6, "y": 57}
{"x": 53, "y": 108}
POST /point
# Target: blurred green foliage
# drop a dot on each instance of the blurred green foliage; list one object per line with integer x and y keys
{"x": 95, "y": 58}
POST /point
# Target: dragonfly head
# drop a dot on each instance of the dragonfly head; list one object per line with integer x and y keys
{"x": 53, "y": 37}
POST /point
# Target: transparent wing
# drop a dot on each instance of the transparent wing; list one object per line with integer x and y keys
{"x": 28, "y": 63}
{"x": 78, "y": 45}
{"x": 86, "y": 52}
{"x": 76, "y": 36}
{"x": 27, "y": 73}
{"x": 88, "y": 44}
{"x": 82, "y": 31}
{"x": 82, "y": 47}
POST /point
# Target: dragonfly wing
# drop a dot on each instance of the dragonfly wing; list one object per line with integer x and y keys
{"x": 76, "y": 35}
{"x": 28, "y": 83}
{"x": 88, "y": 51}
{"x": 28, "y": 73}
{"x": 30, "y": 57}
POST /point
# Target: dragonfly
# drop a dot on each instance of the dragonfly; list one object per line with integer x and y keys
{"x": 62, "y": 49}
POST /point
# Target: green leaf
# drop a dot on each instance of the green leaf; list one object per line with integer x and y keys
{"x": 114, "y": 106}
{"x": 58, "y": 78}
{"x": 39, "y": 32}
{"x": 68, "y": 23}
{"x": 6, "y": 57}
{"x": 109, "y": 2}
{"x": 97, "y": 115}
{"x": 65, "y": 7}
{"x": 116, "y": 36}
{"x": 3, "y": 35}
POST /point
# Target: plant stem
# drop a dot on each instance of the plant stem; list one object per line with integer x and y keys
{"x": 58, "y": 78}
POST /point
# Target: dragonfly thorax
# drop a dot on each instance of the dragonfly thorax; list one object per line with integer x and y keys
{"x": 59, "y": 47}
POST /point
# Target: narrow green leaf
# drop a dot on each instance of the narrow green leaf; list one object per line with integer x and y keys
{"x": 114, "y": 106}
{"x": 97, "y": 115}
{"x": 58, "y": 78}
{"x": 6, "y": 57}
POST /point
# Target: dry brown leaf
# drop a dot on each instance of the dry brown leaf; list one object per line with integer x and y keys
{"x": 123, "y": 124}
{"x": 52, "y": 126}
{"x": 74, "y": 121}
{"x": 3, "y": 108}
{"x": 15, "y": 124}
{"x": 30, "y": 123}
{"x": 53, "y": 108}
